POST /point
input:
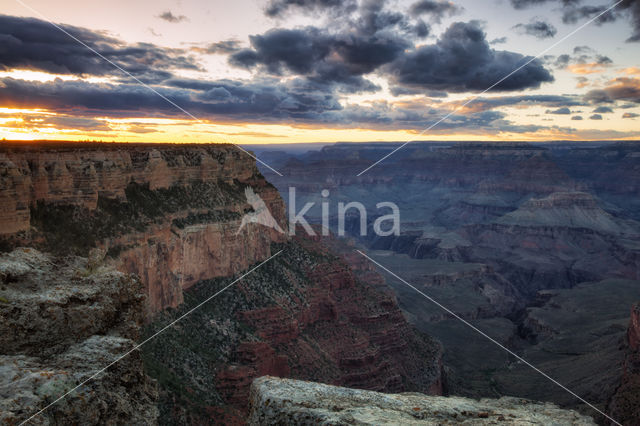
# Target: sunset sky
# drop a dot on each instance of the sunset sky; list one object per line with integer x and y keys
{"x": 279, "y": 71}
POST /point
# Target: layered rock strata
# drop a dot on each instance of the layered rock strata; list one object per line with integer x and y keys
{"x": 169, "y": 213}
{"x": 625, "y": 404}
{"x": 62, "y": 321}
{"x": 282, "y": 401}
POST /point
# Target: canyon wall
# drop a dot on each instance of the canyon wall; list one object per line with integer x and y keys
{"x": 62, "y": 320}
{"x": 172, "y": 216}
{"x": 168, "y": 213}
{"x": 625, "y": 404}
{"x": 305, "y": 315}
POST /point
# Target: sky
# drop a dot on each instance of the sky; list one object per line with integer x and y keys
{"x": 287, "y": 71}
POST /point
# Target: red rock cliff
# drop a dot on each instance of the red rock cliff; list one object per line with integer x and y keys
{"x": 624, "y": 407}
{"x": 191, "y": 198}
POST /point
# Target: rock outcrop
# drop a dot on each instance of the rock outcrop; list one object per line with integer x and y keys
{"x": 625, "y": 404}
{"x": 303, "y": 315}
{"x": 168, "y": 213}
{"x": 62, "y": 321}
{"x": 283, "y": 401}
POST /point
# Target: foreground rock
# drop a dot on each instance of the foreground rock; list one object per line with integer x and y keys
{"x": 625, "y": 404}
{"x": 284, "y": 401}
{"x": 62, "y": 321}
{"x": 167, "y": 213}
{"x": 304, "y": 315}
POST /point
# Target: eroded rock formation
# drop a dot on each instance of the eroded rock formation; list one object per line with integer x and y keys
{"x": 302, "y": 315}
{"x": 282, "y": 401}
{"x": 625, "y": 404}
{"x": 168, "y": 213}
{"x": 61, "y": 322}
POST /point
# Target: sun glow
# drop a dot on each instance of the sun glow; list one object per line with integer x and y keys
{"x": 43, "y": 77}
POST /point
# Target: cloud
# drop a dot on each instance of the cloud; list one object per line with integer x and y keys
{"x": 577, "y": 118}
{"x": 603, "y": 110}
{"x": 279, "y": 7}
{"x": 499, "y": 40}
{"x": 538, "y": 28}
{"x": 482, "y": 104}
{"x": 618, "y": 89}
{"x": 265, "y": 100}
{"x": 435, "y": 9}
{"x": 462, "y": 60}
{"x": 33, "y": 44}
{"x": 574, "y": 11}
{"x": 296, "y": 50}
{"x": 322, "y": 57}
{"x": 223, "y": 47}
{"x": 559, "y": 111}
{"x": 295, "y": 102}
{"x": 60, "y": 122}
{"x": 170, "y": 17}
{"x": 562, "y": 61}
{"x": 584, "y": 69}
{"x": 584, "y": 60}
{"x": 573, "y": 14}
{"x": 630, "y": 115}
{"x": 596, "y": 117}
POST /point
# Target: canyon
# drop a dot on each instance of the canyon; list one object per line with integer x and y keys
{"x": 537, "y": 244}
{"x": 106, "y": 245}
{"x": 167, "y": 218}
{"x": 164, "y": 211}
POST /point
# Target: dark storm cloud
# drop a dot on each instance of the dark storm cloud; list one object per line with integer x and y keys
{"x": 596, "y": 117}
{"x": 581, "y": 55}
{"x": 633, "y": 7}
{"x": 562, "y": 61}
{"x": 499, "y": 40}
{"x": 555, "y": 101}
{"x": 573, "y": 14}
{"x": 619, "y": 89}
{"x": 422, "y": 29}
{"x": 357, "y": 44}
{"x": 400, "y": 90}
{"x": 373, "y": 18}
{"x": 435, "y": 9}
{"x": 325, "y": 58}
{"x": 256, "y": 101}
{"x": 559, "y": 111}
{"x": 576, "y": 117}
{"x": 34, "y": 44}
{"x": 223, "y": 47}
{"x": 603, "y": 110}
{"x": 574, "y": 11}
{"x": 296, "y": 50}
{"x": 170, "y": 17}
{"x": 523, "y": 4}
{"x": 278, "y": 7}
{"x": 462, "y": 60}
{"x": 265, "y": 101}
{"x": 538, "y": 28}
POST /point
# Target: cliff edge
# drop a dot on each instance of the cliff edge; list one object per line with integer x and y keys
{"x": 284, "y": 401}
{"x": 61, "y": 322}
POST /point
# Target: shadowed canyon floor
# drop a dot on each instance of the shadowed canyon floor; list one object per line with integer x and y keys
{"x": 538, "y": 245}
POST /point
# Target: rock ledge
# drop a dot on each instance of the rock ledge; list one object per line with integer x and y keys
{"x": 284, "y": 401}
